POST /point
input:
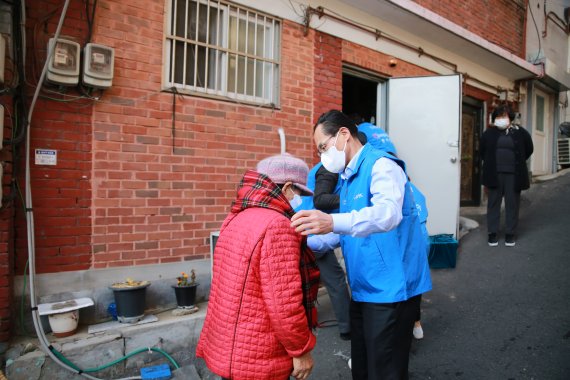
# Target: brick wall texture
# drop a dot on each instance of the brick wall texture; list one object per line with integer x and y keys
{"x": 501, "y": 22}
{"x": 132, "y": 187}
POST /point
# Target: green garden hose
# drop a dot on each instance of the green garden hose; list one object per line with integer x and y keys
{"x": 89, "y": 370}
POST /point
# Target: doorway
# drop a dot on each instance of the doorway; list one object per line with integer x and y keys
{"x": 471, "y": 127}
{"x": 543, "y": 109}
{"x": 360, "y": 96}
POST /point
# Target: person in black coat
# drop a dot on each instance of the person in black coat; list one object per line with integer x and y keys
{"x": 505, "y": 148}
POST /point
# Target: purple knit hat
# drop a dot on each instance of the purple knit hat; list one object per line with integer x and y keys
{"x": 286, "y": 168}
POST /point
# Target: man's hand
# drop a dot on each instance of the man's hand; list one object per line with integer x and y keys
{"x": 309, "y": 222}
{"x": 302, "y": 366}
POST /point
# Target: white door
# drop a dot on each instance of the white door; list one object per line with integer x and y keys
{"x": 424, "y": 120}
{"x": 540, "y": 159}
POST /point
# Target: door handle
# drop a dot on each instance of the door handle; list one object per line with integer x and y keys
{"x": 453, "y": 159}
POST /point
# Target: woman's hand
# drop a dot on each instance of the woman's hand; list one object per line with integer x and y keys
{"x": 302, "y": 366}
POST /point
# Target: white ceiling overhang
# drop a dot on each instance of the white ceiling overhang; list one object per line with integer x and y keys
{"x": 430, "y": 26}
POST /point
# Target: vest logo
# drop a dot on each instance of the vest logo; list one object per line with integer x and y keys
{"x": 358, "y": 196}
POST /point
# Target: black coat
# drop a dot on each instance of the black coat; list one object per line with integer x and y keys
{"x": 324, "y": 197}
{"x": 523, "y": 149}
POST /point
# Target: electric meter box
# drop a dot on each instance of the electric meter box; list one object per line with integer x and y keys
{"x": 64, "y": 64}
{"x": 98, "y": 65}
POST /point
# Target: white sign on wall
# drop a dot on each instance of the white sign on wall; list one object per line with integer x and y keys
{"x": 46, "y": 157}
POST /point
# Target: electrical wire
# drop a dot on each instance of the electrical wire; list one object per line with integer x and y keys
{"x": 90, "y": 18}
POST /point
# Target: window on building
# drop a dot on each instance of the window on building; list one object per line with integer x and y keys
{"x": 539, "y": 113}
{"x": 220, "y": 49}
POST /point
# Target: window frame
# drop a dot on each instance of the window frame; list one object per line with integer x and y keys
{"x": 268, "y": 60}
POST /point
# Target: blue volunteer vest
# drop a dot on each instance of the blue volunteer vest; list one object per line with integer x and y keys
{"x": 422, "y": 212}
{"x": 383, "y": 267}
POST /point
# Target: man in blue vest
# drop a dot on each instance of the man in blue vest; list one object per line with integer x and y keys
{"x": 380, "y": 234}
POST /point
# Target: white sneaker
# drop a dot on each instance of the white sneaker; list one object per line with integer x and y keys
{"x": 418, "y": 332}
{"x": 350, "y": 363}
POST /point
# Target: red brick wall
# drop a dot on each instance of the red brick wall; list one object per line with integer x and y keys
{"x": 378, "y": 62}
{"x": 60, "y": 194}
{"x": 151, "y": 205}
{"x": 501, "y": 22}
{"x": 119, "y": 195}
{"x": 328, "y": 74}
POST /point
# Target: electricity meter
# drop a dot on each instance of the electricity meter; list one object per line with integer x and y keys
{"x": 63, "y": 66}
{"x": 98, "y": 65}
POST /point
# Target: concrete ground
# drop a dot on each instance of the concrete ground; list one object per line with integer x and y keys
{"x": 502, "y": 313}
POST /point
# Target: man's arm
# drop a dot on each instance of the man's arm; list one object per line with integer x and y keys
{"x": 387, "y": 189}
{"x": 323, "y": 243}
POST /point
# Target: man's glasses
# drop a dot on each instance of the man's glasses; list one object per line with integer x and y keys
{"x": 323, "y": 146}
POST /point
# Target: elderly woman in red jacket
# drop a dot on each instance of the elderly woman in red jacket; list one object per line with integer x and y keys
{"x": 265, "y": 281}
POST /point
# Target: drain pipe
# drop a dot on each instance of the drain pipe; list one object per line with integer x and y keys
{"x": 44, "y": 343}
{"x": 281, "y": 133}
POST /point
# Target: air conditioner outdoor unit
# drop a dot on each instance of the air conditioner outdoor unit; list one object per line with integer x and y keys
{"x": 63, "y": 66}
{"x": 98, "y": 65}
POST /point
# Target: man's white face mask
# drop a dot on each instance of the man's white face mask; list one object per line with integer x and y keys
{"x": 333, "y": 159}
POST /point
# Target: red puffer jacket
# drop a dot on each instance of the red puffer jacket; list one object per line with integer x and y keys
{"x": 255, "y": 322}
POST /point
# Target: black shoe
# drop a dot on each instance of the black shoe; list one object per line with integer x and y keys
{"x": 345, "y": 336}
{"x": 510, "y": 240}
{"x": 493, "y": 241}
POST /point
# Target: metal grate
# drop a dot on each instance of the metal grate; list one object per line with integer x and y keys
{"x": 218, "y": 48}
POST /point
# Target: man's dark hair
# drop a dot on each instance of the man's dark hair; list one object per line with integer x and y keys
{"x": 334, "y": 120}
{"x": 501, "y": 110}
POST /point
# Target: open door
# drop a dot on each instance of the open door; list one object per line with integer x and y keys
{"x": 424, "y": 120}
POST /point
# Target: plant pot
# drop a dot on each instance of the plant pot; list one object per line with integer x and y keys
{"x": 130, "y": 301}
{"x": 64, "y": 324}
{"x": 185, "y": 295}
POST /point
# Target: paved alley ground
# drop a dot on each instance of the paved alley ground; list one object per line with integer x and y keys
{"x": 502, "y": 313}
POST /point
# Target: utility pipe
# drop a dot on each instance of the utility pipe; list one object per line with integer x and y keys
{"x": 44, "y": 343}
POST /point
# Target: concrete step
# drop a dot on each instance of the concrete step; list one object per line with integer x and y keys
{"x": 177, "y": 335}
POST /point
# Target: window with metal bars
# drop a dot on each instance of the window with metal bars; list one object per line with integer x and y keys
{"x": 220, "y": 49}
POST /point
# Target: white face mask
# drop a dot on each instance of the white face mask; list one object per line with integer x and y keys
{"x": 333, "y": 159}
{"x": 502, "y": 123}
{"x": 296, "y": 201}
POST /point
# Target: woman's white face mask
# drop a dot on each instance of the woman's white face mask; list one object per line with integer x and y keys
{"x": 296, "y": 201}
{"x": 333, "y": 159}
{"x": 502, "y": 123}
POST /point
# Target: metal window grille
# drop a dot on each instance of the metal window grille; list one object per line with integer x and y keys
{"x": 220, "y": 49}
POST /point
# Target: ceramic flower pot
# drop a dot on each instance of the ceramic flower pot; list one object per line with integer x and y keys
{"x": 185, "y": 295}
{"x": 130, "y": 299}
{"x": 64, "y": 324}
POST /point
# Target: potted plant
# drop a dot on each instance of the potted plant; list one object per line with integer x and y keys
{"x": 130, "y": 299}
{"x": 185, "y": 290}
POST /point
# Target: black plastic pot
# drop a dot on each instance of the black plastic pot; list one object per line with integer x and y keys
{"x": 185, "y": 295}
{"x": 131, "y": 302}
